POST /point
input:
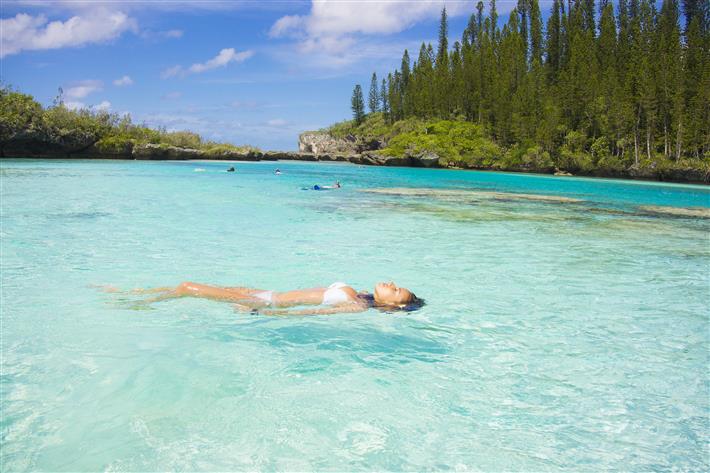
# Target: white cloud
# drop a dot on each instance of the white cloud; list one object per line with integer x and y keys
{"x": 225, "y": 56}
{"x": 81, "y": 89}
{"x": 104, "y": 105}
{"x": 276, "y": 122}
{"x": 287, "y": 24}
{"x": 335, "y": 27}
{"x": 125, "y": 80}
{"x": 171, "y": 72}
{"x": 26, "y": 32}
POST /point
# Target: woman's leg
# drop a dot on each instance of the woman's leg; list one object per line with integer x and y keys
{"x": 245, "y": 290}
{"x": 192, "y": 289}
{"x": 151, "y": 290}
{"x": 115, "y": 290}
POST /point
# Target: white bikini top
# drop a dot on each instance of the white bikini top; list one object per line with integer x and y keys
{"x": 335, "y": 295}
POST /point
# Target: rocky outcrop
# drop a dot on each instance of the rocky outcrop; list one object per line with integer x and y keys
{"x": 323, "y": 143}
{"x": 232, "y": 155}
{"x": 425, "y": 159}
{"x": 32, "y": 147}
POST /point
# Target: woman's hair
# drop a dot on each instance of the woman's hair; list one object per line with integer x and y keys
{"x": 415, "y": 304}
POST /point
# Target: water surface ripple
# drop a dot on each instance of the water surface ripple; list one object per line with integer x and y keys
{"x": 563, "y": 333}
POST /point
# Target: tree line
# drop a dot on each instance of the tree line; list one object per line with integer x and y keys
{"x": 622, "y": 85}
{"x": 24, "y": 122}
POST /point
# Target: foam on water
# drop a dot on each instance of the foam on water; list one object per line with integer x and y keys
{"x": 562, "y": 333}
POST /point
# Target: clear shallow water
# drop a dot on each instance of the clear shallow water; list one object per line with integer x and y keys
{"x": 556, "y": 336}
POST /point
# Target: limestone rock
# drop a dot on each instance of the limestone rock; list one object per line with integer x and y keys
{"x": 317, "y": 142}
{"x": 563, "y": 173}
{"x": 426, "y": 159}
{"x": 234, "y": 155}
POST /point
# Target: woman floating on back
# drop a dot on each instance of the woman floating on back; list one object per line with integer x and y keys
{"x": 337, "y": 298}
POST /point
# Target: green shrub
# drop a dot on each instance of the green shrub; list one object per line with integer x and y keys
{"x": 574, "y": 161}
{"x": 19, "y": 113}
{"x": 115, "y": 145}
{"x": 374, "y": 126}
{"x": 575, "y": 141}
{"x": 76, "y": 129}
{"x": 527, "y": 156}
{"x": 182, "y": 139}
{"x": 226, "y": 148}
{"x": 455, "y": 142}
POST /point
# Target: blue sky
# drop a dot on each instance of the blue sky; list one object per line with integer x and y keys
{"x": 245, "y": 72}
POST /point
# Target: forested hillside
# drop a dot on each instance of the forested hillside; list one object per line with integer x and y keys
{"x": 594, "y": 88}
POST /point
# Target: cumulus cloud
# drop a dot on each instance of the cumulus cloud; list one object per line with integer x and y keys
{"x": 79, "y": 90}
{"x": 333, "y": 27}
{"x": 225, "y": 56}
{"x": 25, "y": 32}
{"x": 123, "y": 81}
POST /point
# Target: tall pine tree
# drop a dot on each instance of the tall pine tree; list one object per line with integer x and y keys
{"x": 357, "y": 104}
{"x": 373, "y": 99}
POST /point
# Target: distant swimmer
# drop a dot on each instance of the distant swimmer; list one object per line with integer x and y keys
{"x": 323, "y": 188}
{"x": 277, "y": 172}
{"x": 231, "y": 169}
{"x": 337, "y": 298}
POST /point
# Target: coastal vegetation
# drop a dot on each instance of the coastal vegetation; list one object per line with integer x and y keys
{"x": 26, "y": 126}
{"x": 593, "y": 92}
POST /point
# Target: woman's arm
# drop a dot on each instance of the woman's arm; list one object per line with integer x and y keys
{"x": 338, "y": 309}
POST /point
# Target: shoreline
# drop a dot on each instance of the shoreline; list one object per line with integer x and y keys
{"x": 680, "y": 176}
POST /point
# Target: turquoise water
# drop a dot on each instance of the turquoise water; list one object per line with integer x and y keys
{"x": 557, "y": 336}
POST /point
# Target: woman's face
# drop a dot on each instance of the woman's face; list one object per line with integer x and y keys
{"x": 389, "y": 293}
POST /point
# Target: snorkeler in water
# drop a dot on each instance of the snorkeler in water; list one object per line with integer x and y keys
{"x": 277, "y": 172}
{"x": 337, "y": 298}
{"x": 322, "y": 188}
